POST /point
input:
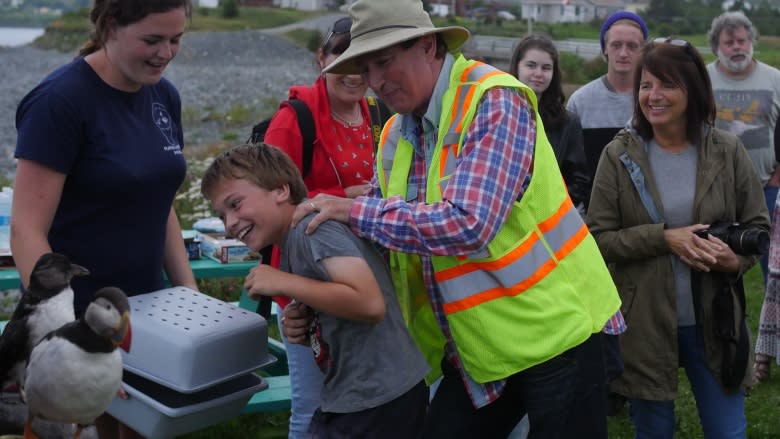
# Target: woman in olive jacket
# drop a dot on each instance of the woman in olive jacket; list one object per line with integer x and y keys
{"x": 690, "y": 175}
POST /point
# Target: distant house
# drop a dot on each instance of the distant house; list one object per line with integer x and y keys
{"x": 208, "y": 3}
{"x": 574, "y": 11}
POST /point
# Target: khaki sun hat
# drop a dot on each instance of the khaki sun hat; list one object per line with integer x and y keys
{"x": 379, "y": 24}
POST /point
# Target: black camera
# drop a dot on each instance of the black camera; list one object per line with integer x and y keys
{"x": 742, "y": 240}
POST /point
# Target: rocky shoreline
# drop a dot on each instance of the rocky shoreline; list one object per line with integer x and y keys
{"x": 214, "y": 73}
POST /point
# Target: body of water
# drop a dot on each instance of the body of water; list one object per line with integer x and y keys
{"x": 19, "y": 36}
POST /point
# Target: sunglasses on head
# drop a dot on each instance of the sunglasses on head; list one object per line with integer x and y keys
{"x": 341, "y": 26}
{"x": 673, "y": 41}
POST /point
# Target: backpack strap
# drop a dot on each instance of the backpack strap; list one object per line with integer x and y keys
{"x": 306, "y": 124}
{"x": 379, "y": 114}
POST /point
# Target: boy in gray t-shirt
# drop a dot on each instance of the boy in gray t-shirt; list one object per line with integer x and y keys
{"x": 373, "y": 370}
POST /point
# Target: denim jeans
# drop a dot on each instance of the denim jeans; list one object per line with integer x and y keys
{"x": 544, "y": 391}
{"x": 722, "y": 415}
{"x": 305, "y": 385}
{"x": 770, "y": 196}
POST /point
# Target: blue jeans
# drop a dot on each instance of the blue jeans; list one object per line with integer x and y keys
{"x": 305, "y": 385}
{"x": 544, "y": 391}
{"x": 770, "y": 196}
{"x": 722, "y": 415}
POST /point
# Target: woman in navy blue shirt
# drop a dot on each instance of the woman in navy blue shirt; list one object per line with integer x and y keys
{"x": 100, "y": 159}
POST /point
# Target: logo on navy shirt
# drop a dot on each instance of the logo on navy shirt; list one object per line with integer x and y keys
{"x": 163, "y": 121}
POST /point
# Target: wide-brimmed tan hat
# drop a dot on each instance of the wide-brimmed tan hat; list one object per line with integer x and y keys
{"x": 379, "y": 24}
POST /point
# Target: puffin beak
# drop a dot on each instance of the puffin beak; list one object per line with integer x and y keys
{"x": 123, "y": 335}
{"x": 78, "y": 270}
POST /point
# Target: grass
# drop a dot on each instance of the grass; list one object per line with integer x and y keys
{"x": 72, "y": 29}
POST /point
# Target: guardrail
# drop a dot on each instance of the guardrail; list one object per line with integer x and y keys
{"x": 498, "y": 50}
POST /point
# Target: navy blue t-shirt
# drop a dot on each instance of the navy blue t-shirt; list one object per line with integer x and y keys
{"x": 122, "y": 154}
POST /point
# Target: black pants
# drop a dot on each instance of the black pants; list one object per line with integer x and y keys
{"x": 544, "y": 391}
{"x": 588, "y": 419}
{"x": 402, "y": 417}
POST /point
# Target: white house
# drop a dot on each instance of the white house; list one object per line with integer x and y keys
{"x": 208, "y": 3}
{"x": 574, "y": 11}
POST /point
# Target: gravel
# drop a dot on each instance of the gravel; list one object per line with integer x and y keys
{"x": 214, "y": 73}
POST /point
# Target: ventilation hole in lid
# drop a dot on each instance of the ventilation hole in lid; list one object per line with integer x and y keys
{"x": 186, "y": 328}
{"x": 164, "y": 319}
{"x": 202, "y": 324}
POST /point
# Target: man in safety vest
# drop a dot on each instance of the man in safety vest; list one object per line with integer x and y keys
{"x": 496, "y": 273}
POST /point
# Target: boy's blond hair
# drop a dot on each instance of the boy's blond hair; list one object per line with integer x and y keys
{"x": 265, "y": 166}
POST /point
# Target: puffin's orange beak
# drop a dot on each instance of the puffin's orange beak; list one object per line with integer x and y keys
{"x": 123, "y": 335}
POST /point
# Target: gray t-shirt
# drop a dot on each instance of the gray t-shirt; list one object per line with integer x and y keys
{"x": 367, "y": 364}
{"x": 675, "y": 177}
{"x": 599, "y": 106}
{"x": 602, "y": 112}
{"x": 748, "y": 108}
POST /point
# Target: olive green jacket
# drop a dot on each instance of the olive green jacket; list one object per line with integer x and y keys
{"x": 727, "y": 188}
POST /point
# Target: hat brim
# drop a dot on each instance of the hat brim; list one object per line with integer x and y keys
{"x": 454, "y": 36}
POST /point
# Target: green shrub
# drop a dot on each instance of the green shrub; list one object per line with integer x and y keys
{"x": 571, "y": 68}
{"x": 229, "y": 8}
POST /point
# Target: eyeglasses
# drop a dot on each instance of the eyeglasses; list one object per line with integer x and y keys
{"x": 341, "y": 26}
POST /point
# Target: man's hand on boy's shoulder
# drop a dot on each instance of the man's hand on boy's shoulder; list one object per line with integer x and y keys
{"x": 328, "y": 208}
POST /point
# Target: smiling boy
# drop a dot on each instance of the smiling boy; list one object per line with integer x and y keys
{"x": 373, "y": 371}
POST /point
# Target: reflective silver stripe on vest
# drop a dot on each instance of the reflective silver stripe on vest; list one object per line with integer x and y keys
{"x": 520, "y": 270}
{"x": 452, "y": 137}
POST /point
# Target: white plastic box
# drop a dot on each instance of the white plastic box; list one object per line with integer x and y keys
{"x": 156, "y": 412}
{"x": 189, "y": 341}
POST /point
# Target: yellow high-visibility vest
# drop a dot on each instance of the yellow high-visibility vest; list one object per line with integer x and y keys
{"x": 539, "y": 288}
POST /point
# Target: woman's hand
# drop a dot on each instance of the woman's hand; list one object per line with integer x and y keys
{"x": 701, "y": 254}
{"x": 761, "y": 368}
{"x": 357, "y": 190}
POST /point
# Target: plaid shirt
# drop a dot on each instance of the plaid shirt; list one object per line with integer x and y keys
{"x": 492, "y": 171}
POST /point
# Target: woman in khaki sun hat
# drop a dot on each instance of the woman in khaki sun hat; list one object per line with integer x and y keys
{"x": 486, "y": 248}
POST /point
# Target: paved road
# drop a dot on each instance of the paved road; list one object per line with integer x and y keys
{"x": 321, "y": 23}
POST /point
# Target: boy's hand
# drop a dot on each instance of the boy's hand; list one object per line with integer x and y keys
{"x": 264, "y": 280}
{"x": 296, "y": 319}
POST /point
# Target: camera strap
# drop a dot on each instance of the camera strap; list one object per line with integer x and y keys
{"x": 638, "y": 179}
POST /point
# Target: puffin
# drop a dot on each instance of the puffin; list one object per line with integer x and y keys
{"x": 75, "y": 371}
{"x": 45, "y": 306}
